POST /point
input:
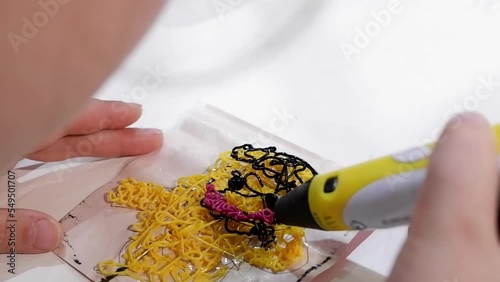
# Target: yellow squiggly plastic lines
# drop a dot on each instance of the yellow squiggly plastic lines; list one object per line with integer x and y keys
{"x": 177, "y": 239}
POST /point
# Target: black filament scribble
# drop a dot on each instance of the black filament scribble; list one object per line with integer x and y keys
{"x": 282, "y": 168}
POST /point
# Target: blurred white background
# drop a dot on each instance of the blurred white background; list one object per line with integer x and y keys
{"x": 349, "y": 80}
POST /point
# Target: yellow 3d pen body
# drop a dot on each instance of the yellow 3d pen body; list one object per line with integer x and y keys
{"x": 380, "y": 193}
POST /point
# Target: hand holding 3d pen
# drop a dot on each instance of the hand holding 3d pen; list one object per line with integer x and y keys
{"x": 447, "y": 191}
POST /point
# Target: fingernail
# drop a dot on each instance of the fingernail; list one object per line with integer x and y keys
{"x": 461, "y": 120}
{"x": 150, "y": 132}
{"x": 135, "y": 105}
{"x": 467, "y": 118}
{"x": 45, "y": 235}
{"x": 474, "y": 118}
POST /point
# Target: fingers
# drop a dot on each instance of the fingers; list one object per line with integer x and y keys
{"x": 97, "y": 115}
{"x": 106, "y": 143}
{"x": 459, "y": 197}
{"x": 100, "y": 115}
{"x": 33, "y": 232}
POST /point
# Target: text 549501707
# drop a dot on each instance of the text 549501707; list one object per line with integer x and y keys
{"x": 11, "y": 221}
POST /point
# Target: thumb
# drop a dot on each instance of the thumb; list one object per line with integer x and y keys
{"x": 459, "y": 197}
{"x": 25, "y": 231}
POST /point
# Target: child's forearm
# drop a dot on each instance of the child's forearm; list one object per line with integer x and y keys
{"x": 54, "y": 55}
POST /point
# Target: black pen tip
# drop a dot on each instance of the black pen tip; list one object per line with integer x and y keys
{"x": 293, "y": 209}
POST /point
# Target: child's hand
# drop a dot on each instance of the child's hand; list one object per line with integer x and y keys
{"x": 454, "y": 230}
{"x": 99, "y": 131}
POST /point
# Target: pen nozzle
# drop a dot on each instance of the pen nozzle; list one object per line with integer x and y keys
{"x": 293, "y": 208}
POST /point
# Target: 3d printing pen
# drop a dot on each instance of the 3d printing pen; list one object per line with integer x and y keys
{"x": 377, "y": 194}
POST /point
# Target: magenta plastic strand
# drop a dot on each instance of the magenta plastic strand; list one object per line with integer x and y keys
{"x": 216, "y": 202}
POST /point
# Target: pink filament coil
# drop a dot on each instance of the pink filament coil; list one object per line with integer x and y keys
{"x": 216, "y": 202}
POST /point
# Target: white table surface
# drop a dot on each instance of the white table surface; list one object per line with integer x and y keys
{"x": 265, "y": 60}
